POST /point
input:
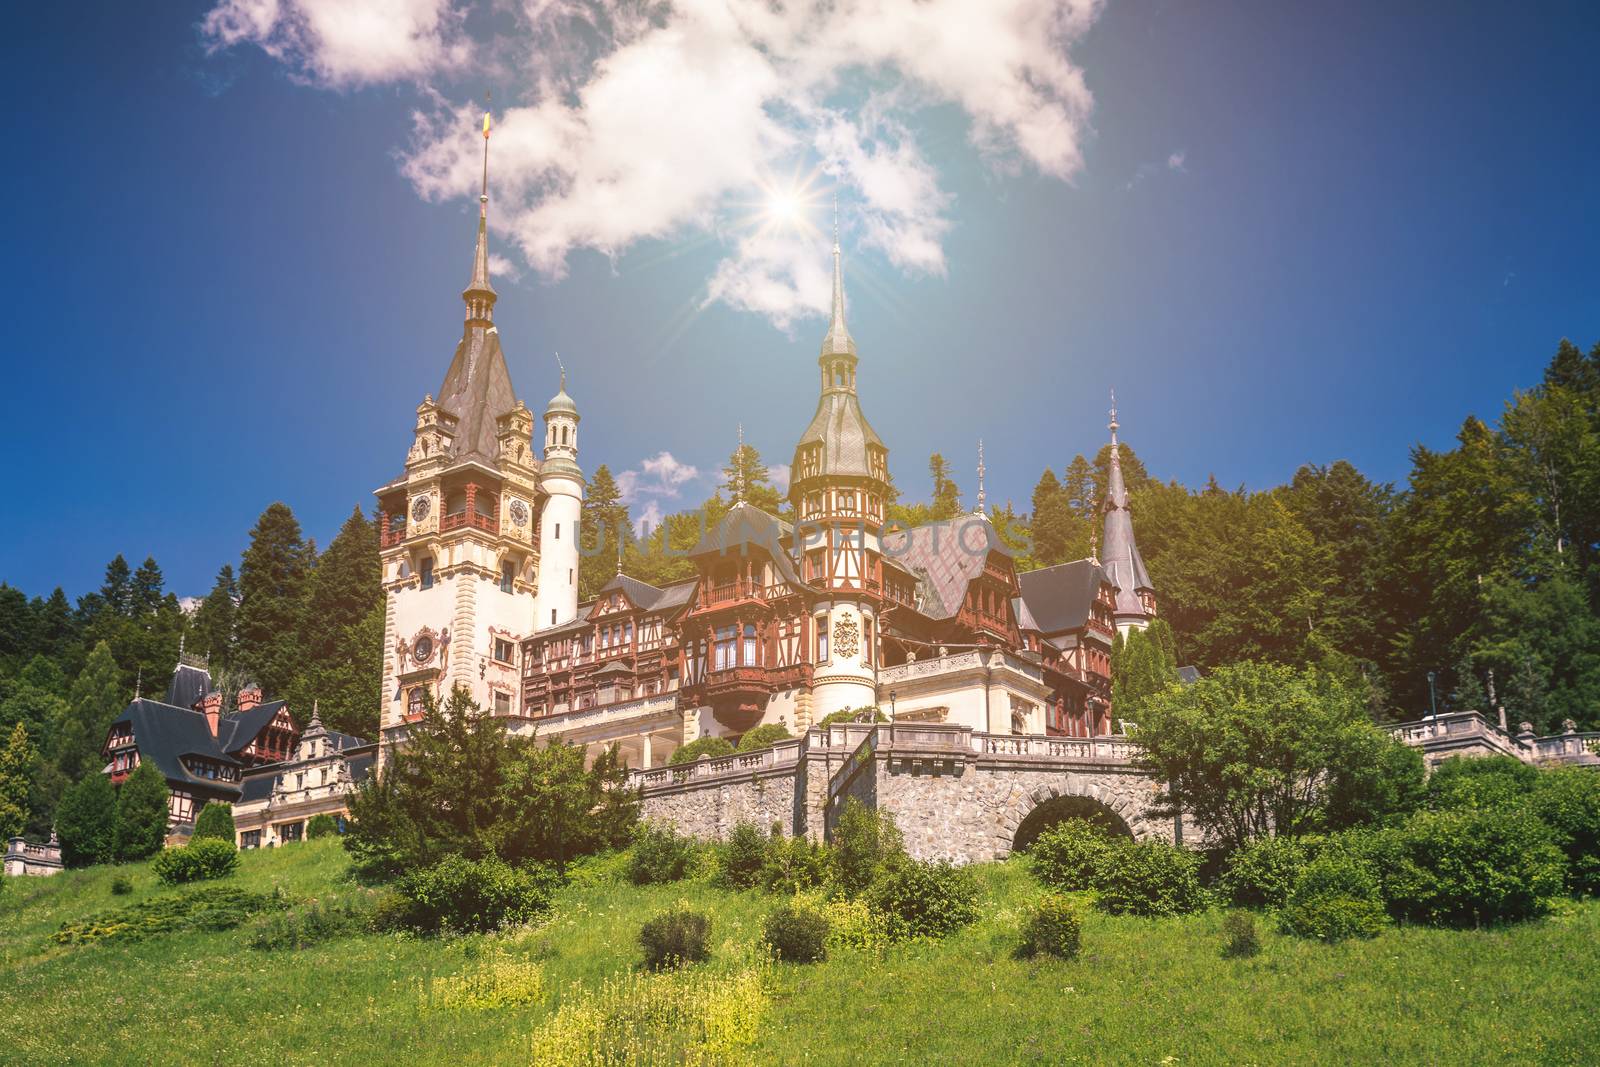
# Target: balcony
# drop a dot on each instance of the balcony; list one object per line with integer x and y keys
{"x": 392, "y": 535}
{"x": 470, "y": 519}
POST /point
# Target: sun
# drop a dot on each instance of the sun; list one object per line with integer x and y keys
{"x": 785, "y": 204}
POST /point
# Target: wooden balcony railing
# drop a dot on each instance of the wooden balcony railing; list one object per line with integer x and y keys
{"x": 491, "y": 523}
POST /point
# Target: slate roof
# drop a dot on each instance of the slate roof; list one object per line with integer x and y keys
{"x": 477, "y": 391}
{"x": 237, "y": 730}
{"x": 164, "y": 734}
{"x": 1121, "y": 553}
{"x": 844, "y": 433}
{"x": 1061, "y": 598}
{"x": 945, "y": 556}
{"x": 744, "y": 527}
{"x": 188, "y": 686}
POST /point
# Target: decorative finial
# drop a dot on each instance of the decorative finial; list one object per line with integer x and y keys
{"x": 619, "y": 548}
{"x": 981, "y": 472}
{"x": 563, "y": 367}
{"x": 836, "y": 222}
{"x": 1094, "y": 548}
{"x": 1113, "y": 424}
{"x": 738, "y": 469}
{"x": 138, "y": 682}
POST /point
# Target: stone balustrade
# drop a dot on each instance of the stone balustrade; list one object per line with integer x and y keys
{"x": 28, "y": 858}
{"x": 976, "y": 659}
{"x": 606, "y": 714}
{"x": 1471, "y": 733}
{"x": 781, "y": 755}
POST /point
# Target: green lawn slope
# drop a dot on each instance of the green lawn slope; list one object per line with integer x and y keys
{"x": 1143, "y": 991}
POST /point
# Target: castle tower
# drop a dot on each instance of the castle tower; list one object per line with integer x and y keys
{"x": 457, "y": 541}
{"x": 838, "y": 488}
{"x": 561, "y": 480}
{"x": 1136, "y": 598}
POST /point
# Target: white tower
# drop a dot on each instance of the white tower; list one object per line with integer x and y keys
{"x": 561, "y": 481}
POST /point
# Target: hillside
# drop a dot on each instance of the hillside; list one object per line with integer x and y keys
{"x": 1143, "y": 991}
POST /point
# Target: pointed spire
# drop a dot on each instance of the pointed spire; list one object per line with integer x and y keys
{"x": 479, "y": 293}
{"x": 982, "y": 470}
{"x": 1123, "y": 563}
{"x": 738, "y": 469}
{"x": 838, "y": 341}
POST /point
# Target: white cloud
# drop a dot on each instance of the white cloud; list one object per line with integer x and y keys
{"x": 779, "y": 473}
{"x": 644, "y": 120}
{"x": 1175, "y": 161}
{"x": 342, "y": 44}
{"x": 658, "y": 478}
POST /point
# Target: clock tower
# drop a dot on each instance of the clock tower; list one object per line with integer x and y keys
{"x": 459, "y": 529}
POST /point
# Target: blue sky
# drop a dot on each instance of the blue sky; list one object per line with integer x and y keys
{"x": 1283, "y": 233}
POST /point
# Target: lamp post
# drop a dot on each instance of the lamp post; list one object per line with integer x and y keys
{"x": 1433, "y": 704}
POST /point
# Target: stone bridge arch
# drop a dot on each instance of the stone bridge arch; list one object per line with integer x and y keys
{"x": 1120, "y": 801}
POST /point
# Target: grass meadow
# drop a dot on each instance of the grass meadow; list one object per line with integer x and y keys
{"x": 1143, "y": 991}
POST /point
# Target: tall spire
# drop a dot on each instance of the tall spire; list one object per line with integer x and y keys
{"x": 1135, "y": 602}
{"x": 838, "y": 341}
{"x": 738, "y": 469}
{"x": 982, "y": 470}
{"x": 479, "y": 294}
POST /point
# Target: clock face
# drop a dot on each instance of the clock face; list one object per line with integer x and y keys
{"x": 519, "y": 513}
{"x": 420, "y": 507}
{"x": 422, "y": 649}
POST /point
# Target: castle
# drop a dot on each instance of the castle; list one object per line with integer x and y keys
{"x": 786, "y": 621}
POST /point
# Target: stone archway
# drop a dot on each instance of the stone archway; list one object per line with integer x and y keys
{"x": 1119, "y": 801}
{"x": 1061, "y": 809}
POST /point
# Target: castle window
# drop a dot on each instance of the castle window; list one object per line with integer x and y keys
{"x": 507, "y": 576}
{"x": 427, "y": 572}
{"x": 414, "y": 703}
{"x": 502, "y": 703}
{"x": 250, "y": 839}
{"x": 749, "y": 652}
{"x": 502, "y": 650}
{"x": 866, "y": 640}
{"x": 822, "y": 639}
{"x": 724, "y": 649}
{"x": 558, "y": 531}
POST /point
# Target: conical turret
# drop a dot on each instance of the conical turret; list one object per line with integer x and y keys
{"x": 1135, "y": 605}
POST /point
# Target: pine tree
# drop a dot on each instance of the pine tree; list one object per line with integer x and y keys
{"x": 745, "y": 477}
{"x": 144, "y": 595}
{"x": 1079, "y": 487}
{"x": 215, "y": 820}
{"x": 86, "y": 821}
{"x": 212, "y": 630}
{"x": 1052, "y": 522}
{"x": 946, "y": 494}
{"x": 97, "y": 697}
{"x": 1143, "y": 664}
{"x": 273, "y": 581}
{"x": 341, "y": 667}
{"x": 17, "y": 756}
{"x": 116, "y": 594}
{"x": 142, "y": 813}
{"x": 1468, "y": 693}
{"x": 605, "y": 520}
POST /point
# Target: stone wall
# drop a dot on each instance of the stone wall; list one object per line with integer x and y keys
{"x": 710, "y": 809}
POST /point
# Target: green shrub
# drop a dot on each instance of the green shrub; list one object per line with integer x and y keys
{"x": 321, "y": 826}
{"x": 215, "y": 821}
{"x": 472, "y": 896}
{"x": 121, "y": 885}
{"x": 923, "y": 899}
{"x": 871, "y": 714}
{"x": 865, "y": 842}
{"x": 674, "y": 938}
{"x": 1051, "y": 927}
{"x": 1064, "y": 856}
{"x": 1148, "y": 878}
{"x": 142, "y": 804}
{"x": 794, "y": 864}
{"x": 659, "y": 855}
{"x": 218, "y": 907}
{"x": 741, "y": 858}
{"x": 86, "y": 820}
{"x": 763, "y": 736}
{"x": 1468, "y": 867}
{"x": 198, "y": 861}
{"x": 705, "y": 746}
{"x": 1239, "y": 937}
{"x": 1262, "y": 874}
{"x": 797, "y": 933}
{"x": 314, "y": 923}
{"x": 1336, "y": 897}
{"x": 1480, "y": 782}
{"x": 1567, "y": 800}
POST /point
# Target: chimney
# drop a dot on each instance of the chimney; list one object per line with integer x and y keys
{"x": 210, "y": 706}
{"x": 249, "y": 696}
